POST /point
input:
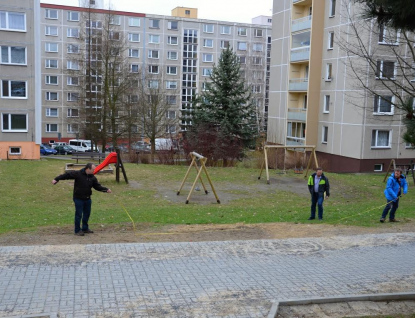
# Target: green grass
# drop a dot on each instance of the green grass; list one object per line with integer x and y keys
{"x": 29, "y": 200}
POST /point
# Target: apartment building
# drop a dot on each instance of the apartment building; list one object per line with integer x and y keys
{"x": 318, "y": 98}
{"x": 20, "y": 104}
{"x": 179, "y": 51}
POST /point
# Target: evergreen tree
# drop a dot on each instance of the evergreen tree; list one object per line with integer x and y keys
{"x": 224, "y": 119}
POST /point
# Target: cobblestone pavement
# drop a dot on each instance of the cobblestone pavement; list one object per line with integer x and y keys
{"x": 200, "y": 279}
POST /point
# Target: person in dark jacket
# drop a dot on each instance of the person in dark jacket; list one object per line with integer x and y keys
{"x": 82, "y": 191}
{"x": 395, "y": 187}
{"x": 318, "y": 184}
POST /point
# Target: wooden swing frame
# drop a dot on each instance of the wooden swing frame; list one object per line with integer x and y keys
{"x": 269, "y": 147}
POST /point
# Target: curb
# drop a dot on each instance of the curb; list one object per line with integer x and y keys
{"x": 309, "y": 301}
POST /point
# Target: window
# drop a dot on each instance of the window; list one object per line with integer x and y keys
{"x": 134, "y": 22}
{"x": 52, "y": 96}
{"x": 73, "y": 48}
{"x": 72, "y": 33}
{"x": 388, "y": 35}
{"x": 242, "y": 59}
{"x": 51, "y": 127}
{"x": 13, "y": 55}
{"x": 326, "y": 104}
{"x": 133, "y": 53}
{"x": 208, "y": 43}
{"x": 171, "y": 113}
{"x": 94, "y": 24}
{"x": 258, "y": 47}
{"x": 72, "y": 80}
{"x": 153, "y": 54}
{"x": 173, "y": 25}
{"x": 242, "y": 31}
{"x": 258, "y": 33}
{"x": 170, "y": 129}
{"x": 73, "y": 128}
{"x": 51, "y": 112}
{"x": 171, "y": 85}
{"x": 153, "y": 84}
{"x": 172, "y": 40}
{"x": 207, "y": 57}
{"x": 378, "y": 167}
{"x": 132, "y": 98}
{"x": 155, "y": 24}
{"x": 256, "y": 88}
{"x": 153, "y": 69}
{"x": 330, "y": 41}
{"x": 13, "y": 89}
{"x": 51, "y": 63}
{"x": 257, "y": 60}
{"x": 152, "y": 38}
{"x": 224, "y": 44}
{"x": 381, "y": 138}
{"x": 113, "y": 35}
{"x": 295, "y": 130}
{"x": 172, "y": 55}
{"x": 225, "y": 29}
{"x": 51, "y": 30}
{"x": 385, "y": 69}
{"x": 51, "y": 80}
{"x": 115, "y": 20}
{"x": 242, "y": 46}
{"x": 73, "y": 112}
{"x": 172, "y": 70}
{"x": 329, "y": 74}
{"x": 133, "y": 37}
{"x": 134, "y": 68}
{"x": 383, "y": 105}
{"x": 72, "y": 65}
{"x": 207, "y": 71}
{"x": 73, "y": 16}
{"x": 187, "y": 12}
{"x": 325, "y": 134}
{"x": 208, "y": 28}
{"x": 51, "y": 14}
{"x": 13, "y": 151}
{"x": 72, "y": 97}
{"x": 51, "y": 47}
{"x": 332, "y": 11}
{"x": 14, "y": 122}
{"x": 171, "y": 100}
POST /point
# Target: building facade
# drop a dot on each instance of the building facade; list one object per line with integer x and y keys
{"x": 325, "y": 90}
{"x": 178, "y": 51}
{"x": 20, "y": 104}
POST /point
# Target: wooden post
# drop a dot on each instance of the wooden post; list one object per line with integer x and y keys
{"x": 392, "y": 163}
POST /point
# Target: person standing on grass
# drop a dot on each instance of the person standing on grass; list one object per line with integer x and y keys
{"x": 318, "y": 184}
{"x": 394, "y": 186}
{"x": 84, "y": 182}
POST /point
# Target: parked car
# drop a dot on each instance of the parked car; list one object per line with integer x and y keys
{"x": 141, "y": 146}
{"x": 63, "y": 150}
{"x": 46, "y": 150}
{"x": 59, "y": 143}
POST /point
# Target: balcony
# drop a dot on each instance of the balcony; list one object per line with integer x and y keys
{"x": 298, "y": 84}
{"x": 297, "y": 114}
{"x": 301, "y": 24}
{"x": 300, "y": 54}
{"x": 294, "y": 141}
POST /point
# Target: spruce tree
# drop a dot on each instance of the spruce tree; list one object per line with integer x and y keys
{"x": 224, "y": 119}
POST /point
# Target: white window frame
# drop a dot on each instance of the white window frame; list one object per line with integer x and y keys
{"x": 72, "y": 97}
{"x": 153, "y": 69}
{"x": 207, "y": 71}
{"x": 258, "y": 33}
{"x": 70, "y": 112}
{"x": 153, "y": 84}
{"x": 49, "y": 15}
{"x": 171, "y": 70}
{"x": 329, "y": 72}
{"x": 73, "y": 16}
{"x": 10, "y": 129}
{"x": 375, "y": 133}
{"x": 208, "y": 28}
{"x": 153, "y": 25}
{"x": 242, "y": 46}
{"x": 51, "y": 30}
{"x": 49, "y": 112}
{"x": 152, "y": 37}
{"x": 115, "y": 20}
{"x": 326, "y": 108}
{"x": 380, "y": 169}
{"x": 72, "y": 65}
{"x": 332, "y": 10}
{"x": 13, "y": 152}
{"x": 170, "y": 85}
{"x": 151, "y": 54}
{"x": 48, "y": 62}
{"x": 205, "y": 42}
{"x": 205, "y": 57}
{"x": 72, "y": 128}
{"x": 224, "y": 28}
{"x": 133, "y": 68}
{"x": 379, "y": 69}
{"x": 131, "y": 53}
{"x": 72, "y": 48}
{"x": 48, "y": 96}
{"x": 10, "y": 55}
{"x": 131, "y": 37}
{"x": 170, "y": 24}
{"x": 69, "y": 81}
{"x": 72, "y": 33}
{"x": 48, "y": 80}
{"x": 9, "y": 83}
{"x": 169, "y": 53}
{"x": 170, "y": 40}
{"x": 223, "y": 42}
{"x": 324, "y": 134}
{"x": 384, "y": 34}
{"x": 48, "y": 128}
{"x": 258, "y": 47}
{"x": 134, "y": 22}
{"x": 48, "y": 47}
{"x": 377, "y": 101}
{"x": 330, "y": 40}
{"x": 242, "y": 31}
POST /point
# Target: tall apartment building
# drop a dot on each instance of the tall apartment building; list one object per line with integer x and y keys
{"x": 20, "y": 104}
{"x": 179, "y": 51}
{"x": 315, "y": 95}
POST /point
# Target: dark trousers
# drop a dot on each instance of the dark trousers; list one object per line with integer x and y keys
{"x": 392, "y": 206}
{"x": 317, "y": 199}
{"x": 82, "y": 212}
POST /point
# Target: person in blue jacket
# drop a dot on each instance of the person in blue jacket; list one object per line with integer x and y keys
{"x": 394, "y": 187}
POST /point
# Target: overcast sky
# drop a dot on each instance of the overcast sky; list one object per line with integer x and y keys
{"x": 224, "y": 10}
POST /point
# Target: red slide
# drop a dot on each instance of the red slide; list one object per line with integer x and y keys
{"x": 111, "y": 158}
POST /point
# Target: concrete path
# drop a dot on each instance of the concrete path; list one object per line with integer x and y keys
{"x": 203, "y": 279}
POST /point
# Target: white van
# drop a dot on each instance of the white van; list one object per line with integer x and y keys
{"x": 163, "y": 144}
{"x": 81, "y": 145}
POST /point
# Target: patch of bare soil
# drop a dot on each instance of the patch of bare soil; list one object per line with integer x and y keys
{"x": 124, "y": 233}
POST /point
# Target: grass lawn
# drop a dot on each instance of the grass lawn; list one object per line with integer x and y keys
{"x": 29, "y": 200}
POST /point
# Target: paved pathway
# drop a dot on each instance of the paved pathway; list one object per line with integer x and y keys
{"x": 204, "y": 279}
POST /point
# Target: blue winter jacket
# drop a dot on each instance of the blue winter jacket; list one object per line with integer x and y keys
{"x": 393, "y": 188}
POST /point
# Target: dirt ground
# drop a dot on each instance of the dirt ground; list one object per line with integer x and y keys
{"x": 124, "y": 233}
